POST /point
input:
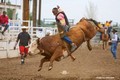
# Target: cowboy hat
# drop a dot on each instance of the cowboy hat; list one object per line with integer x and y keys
{"x": 24, "y": 27}
{"x": 114, "y": 30}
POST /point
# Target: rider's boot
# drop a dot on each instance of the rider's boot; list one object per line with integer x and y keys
{"x": 73, "y": 47}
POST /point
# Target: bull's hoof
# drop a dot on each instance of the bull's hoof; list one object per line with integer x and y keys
{"x": 29, "y": 54}
{"x": 40, "y": 69}
{"x": 49, "y": 68}
{"x": 90, "y": 48}
{"x": 73, "y": 59}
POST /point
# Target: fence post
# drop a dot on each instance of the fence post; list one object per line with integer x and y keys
{"x": 7, "y": 48}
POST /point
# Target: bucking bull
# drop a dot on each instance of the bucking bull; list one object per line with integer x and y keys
{"x": 52, "y": 47}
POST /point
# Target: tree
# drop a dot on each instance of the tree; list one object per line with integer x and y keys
{"x": 30, "y": 16}
{"x": 91, "y": 11}
{"x": 9, "y": 11}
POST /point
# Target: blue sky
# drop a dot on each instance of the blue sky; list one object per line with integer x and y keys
{"x": 76, "y": 9}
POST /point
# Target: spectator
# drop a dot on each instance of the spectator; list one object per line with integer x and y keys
{"x": 114, "y": 44}
{"x": 109, "y": 27}
{"x": 24, "y": 39}
{"x": 4, "y": 21}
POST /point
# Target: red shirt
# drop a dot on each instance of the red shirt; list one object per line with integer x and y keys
{"x": 3, "y": 19}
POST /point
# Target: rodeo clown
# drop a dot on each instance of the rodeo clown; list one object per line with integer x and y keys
{"x": 23, "y": 39}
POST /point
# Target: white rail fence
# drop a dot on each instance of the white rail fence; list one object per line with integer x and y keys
{"x": 7, "y": 41}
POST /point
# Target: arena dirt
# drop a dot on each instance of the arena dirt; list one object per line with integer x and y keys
{"x": 97, "y": 64}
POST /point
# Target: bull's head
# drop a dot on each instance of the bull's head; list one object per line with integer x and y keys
{"x": 33, "y": 48}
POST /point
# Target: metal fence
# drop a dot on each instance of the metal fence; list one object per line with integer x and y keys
{"x": 7, "y": 41}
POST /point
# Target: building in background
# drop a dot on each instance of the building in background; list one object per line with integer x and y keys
{"x": 4, "y": 5}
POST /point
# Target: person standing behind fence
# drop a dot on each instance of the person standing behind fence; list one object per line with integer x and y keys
{"x": 24, "y": 40}
{"x": 4, "y": 21}
{"x": 101, "y": 26}
{"x": 114, "y": 44}
{"x": 109, "y": 27}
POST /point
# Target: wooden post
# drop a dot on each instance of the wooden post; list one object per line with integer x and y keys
{"x": 34, "y": 12}
{"x": 25, "y": 11}
{"x": 39, "y": 14}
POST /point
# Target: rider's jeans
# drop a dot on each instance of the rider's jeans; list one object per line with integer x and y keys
{"x": 67, "y": 39}
{"x": 114, "y": 49}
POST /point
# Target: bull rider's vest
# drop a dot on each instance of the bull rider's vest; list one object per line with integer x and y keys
{"x": 66, "y": 20}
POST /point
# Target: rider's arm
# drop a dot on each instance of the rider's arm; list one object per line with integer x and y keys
{"x": 59, "y": 9}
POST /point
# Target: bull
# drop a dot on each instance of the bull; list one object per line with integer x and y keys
{"x": 53, "y": 48}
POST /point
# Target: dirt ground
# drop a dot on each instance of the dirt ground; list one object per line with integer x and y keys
{"x": 97, "y": 64}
